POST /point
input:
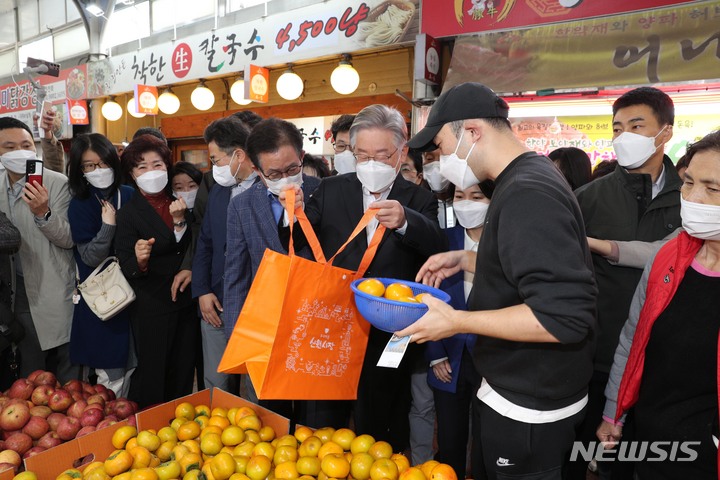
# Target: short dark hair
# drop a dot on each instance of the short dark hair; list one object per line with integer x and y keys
{"x": 248, "y": 117}
{"x": 711, "y": 141}
{"x": 155, "y": 132}
{"x": 11, "y": 122}
{"x": 606, "y": 167}
{"x": 659, "y": 101}
{"x": 105, "y": 150}
{"x": 132, "y": 155}
{"x": 271, "y": 134}
{"x": 574, "y": 165}
{"x": 341, "y": 124}
{"x": 228, "y": 133}
{"x": 317, "y": 164}
{"x": 188, "y": 169}
{"x": 487, "y": 187}
{"x": 417, "y": 159}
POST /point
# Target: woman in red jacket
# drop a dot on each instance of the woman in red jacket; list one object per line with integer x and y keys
{"x": 665, "y": 370}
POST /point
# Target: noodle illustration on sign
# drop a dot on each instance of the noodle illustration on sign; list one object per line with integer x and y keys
{"x": 386, "y": 23}
{"x": 325, "y": 330}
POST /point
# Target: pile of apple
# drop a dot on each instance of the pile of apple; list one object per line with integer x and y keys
{"x": 37, "y": 413}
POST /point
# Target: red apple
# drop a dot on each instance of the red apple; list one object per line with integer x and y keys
{"x": 77, "y": 396}
{"x": 8, "y": 433}
{"x": 88, "y": 389}
{"x": 76, "y": 409}
{"x": 3, "y": 400}
{"x": 94, "y": 406}
{"x": 34, "y": 375}
{"x": 54, "y": 420}
{"x": 123, "y": 409}
{"x": 36, "y": 427}
{"x": 21, "y": 388}
{"x": 20, "y": 442}
{"x": 85, "y": 430}
{"x": 111, "y": 394}
{"x": 97, "y": 398}
{"x": 41, "y": 394}
{"x": 45, "y": 378}
{"x": 60, "y": 400}
{"x": 14, "y": 416}
{"x": 134, "y": 405}
{"x": 132, "y": 420}
{"x": 91, "y": 417}
{"x": 10, "y": 457}
{"x": 74, "y": 385}
{"x": 106, "y": 422}
{"x": 68, "y": 428}
{"x": 33, "y": 451}
{"x": 49, "y": 440}
{"x": 40, "y": 411}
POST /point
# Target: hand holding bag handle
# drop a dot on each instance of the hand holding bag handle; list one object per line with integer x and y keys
{"x": 314, "y": 243}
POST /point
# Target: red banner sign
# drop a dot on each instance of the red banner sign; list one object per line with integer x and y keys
{"x": 77, "y": 112}
{"x": 443, "y": 18}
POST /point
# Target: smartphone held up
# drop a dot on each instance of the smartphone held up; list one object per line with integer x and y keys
{"x": 34, "y": 172}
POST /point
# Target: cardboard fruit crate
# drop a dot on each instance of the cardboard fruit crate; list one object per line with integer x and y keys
{"x": 52, "y": 462}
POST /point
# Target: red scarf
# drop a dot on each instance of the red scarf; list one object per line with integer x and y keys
{"x": 160, "y": 202}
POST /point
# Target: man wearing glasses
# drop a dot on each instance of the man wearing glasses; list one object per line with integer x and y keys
{"x": 378, "y": 136}
{"x": 275, "y": 148}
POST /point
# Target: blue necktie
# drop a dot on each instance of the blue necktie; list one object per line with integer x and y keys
{"x": 277, "y": 208}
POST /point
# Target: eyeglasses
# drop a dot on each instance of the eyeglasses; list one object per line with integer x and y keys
{"x": 341, "y": 147}
{"x": 288, "y": 172}
{"x": 90, "y": 167}
{"x": 407, "y": 170}
{"x": 215, "y": 161}
{"x": 362, "y": 158}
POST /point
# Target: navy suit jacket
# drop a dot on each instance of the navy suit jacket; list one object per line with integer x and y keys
{"x": 251, "y": 228}
{"x": 451, "y": 347}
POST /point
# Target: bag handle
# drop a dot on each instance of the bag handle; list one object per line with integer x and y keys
{"x": 315, "y": 243}
{"x": 374, "y": 242}
{"x": 101, "y": 266}
{"x": 305, "y": 226}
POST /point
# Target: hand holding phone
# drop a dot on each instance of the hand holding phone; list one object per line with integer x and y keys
{"x": 46, "y": 107}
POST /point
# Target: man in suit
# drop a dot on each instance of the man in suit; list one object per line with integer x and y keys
{"x": 409, "y": 213}
{"x": 233, "y": 175}
{"x": 42, "y": 300}
{"x": 275, "y": 148}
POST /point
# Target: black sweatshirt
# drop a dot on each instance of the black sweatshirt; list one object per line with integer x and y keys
{"x": 534, "y": 251}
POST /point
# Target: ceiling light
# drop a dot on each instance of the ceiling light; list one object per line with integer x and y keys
{"x": 168, "y": 102}
{"x": 94, "y": 9}
{"x": 132, "y": 110}
{"x": 237, "y": 92}
{"x": 202, "y": 97}
{"x": 345, "y": 79}
{"x": 290, "y": 86}
{"x": 111, "y": 110}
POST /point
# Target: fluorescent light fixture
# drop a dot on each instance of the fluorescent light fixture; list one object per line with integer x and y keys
{"x": 94, "y": 9}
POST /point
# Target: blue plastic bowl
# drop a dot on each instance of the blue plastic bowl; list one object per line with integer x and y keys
{"x": 390, "y": 315}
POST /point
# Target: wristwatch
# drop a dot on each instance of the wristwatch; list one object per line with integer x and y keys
{"x": 180, "y": 224}
{"x": 45, "y": 217}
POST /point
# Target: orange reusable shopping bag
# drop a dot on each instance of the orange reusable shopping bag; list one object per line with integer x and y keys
{"x": 299, "y": 334}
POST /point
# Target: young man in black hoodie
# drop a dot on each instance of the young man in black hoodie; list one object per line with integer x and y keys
{"x": 533, "y": 299}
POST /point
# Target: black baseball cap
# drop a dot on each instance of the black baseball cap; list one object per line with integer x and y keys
{"x": 461, "y": 102}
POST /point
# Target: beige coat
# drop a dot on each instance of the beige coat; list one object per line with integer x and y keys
{"x": 47, "y": 259}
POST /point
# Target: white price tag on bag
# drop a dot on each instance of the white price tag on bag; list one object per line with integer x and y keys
{"x": 394, "y": 351}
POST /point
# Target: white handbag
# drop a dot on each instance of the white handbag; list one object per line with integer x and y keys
{"x": 105, "y": 290}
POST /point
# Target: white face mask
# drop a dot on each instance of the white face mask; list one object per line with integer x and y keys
{"x": 633, "y": 150}
{"x": 344, "y": 162}
{"x": 457, "y": 170}
{"x": 470, "y": 214}
{"x": 189, "y": 197}
{"x": 431, "y": 173}
{"x": 699, "y": 220}
{"x": 100, "y": 177}
{"x": 224, "y": 176}
{"x": 16, "y": 160}
{"x": 376, "y": 176}
{"x": 152, "y": 182}
{"x": 277, "y": 186}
